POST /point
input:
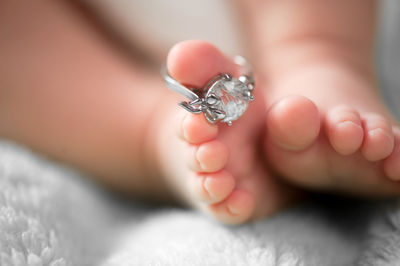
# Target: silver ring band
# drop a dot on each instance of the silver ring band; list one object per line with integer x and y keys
{"x": 224, "y": 98}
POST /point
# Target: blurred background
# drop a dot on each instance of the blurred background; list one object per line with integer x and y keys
{"x": 156, "y": 25}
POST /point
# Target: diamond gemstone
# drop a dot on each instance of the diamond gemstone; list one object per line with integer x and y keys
{"x": 233, "y": 101}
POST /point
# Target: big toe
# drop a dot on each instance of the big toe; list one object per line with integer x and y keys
{"x": 194, "y": 62}
{"x": 293, "y": 123}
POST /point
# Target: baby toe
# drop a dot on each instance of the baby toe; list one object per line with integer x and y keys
{"x": 391, "y": 164}
{"x": 344, "y": 130}
{"x": 294, "y": 123}
{"x": 208, "y": 157}
{"x": 196, "y": 129}
{"x": 235, "y": 209}
{"x": 194, "y": 62}
{"x": 378, "y": 138}
{"x": 213, "y": 187}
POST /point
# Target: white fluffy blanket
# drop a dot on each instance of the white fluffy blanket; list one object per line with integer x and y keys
{"x": 49, "y": 215}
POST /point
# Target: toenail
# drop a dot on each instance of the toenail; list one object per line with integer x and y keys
{"x": 198, "y": 161}
{"x": 377, "y": 131}
{"x": 206, "y": 187}
{"x": 231, "y": 210}
{"x": 348, "y": 122}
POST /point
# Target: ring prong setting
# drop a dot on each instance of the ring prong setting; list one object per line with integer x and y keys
{"x": 223, "y": 99}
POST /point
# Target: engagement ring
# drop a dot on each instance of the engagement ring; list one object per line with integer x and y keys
{"x": 223, "y": 99}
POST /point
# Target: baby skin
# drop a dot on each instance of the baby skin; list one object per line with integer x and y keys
{"x": 317, "y": 120}
{"x": 341, "y": 148}
{"x": 215, "y": 167}
{"x": 327, "y": 128}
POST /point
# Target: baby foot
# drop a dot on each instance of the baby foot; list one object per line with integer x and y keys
{"x": 215, "y": 167}
{"x": 344, "y": 139}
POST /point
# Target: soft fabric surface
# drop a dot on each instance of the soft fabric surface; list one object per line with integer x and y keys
{"x": 49, "y": 215}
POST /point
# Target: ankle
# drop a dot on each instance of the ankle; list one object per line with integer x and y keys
{"x": 293, "y": 56}
{"x": 318, "y": 71}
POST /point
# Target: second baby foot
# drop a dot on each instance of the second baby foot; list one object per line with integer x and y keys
{"x": 336, "y": 134}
